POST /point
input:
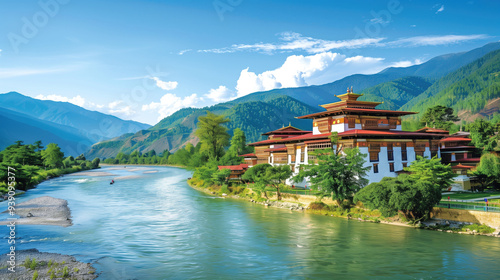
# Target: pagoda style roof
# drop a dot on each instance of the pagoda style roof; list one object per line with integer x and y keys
{"x": 349, "y": 104}
{"x": 356, "y": 111}
{"x": 287, "y": 130}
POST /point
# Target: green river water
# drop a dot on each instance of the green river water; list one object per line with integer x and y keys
{"x": 154, "y": 226}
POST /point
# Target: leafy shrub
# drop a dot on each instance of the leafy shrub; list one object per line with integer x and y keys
{"x": 224, "y": 189}
{"x": 318, "y": 205}
{"x": 33, "y": 264}
{"x": 484, "y": 229}
{"x": 35, "y": 275}
{"x": 65, "y": 272}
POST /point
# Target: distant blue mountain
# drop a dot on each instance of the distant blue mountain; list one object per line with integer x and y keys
{"x": 433, "y": 69}
{"x": 73, "y": 128}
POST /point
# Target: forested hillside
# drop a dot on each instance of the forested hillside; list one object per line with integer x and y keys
{"x": 254, "y": 118}
{"x": 467, "y": 90}
{"x": 396, "y": 93}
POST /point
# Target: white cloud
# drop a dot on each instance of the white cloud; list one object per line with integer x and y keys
{"x": 170, "y": 103}
{"x": 77, "y": 100}
{"x": 164, "y": 85}
{"x": 184, "y": 51}
{"x": 440, "y": 9}
{"x": 291, "y": 41}
{"x": 406, "y": 63}
{"x": 300, "y": 70}
{"x": 220, "y": 94}
{"x": 419, "y": 41}
{"x": 413, "y": 25}
{"x": 18, "y": 72}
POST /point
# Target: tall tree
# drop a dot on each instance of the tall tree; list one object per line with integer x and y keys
{"x": 483, "y": 134}
{"x": 431, "y": 170}
{"x": 213, "y": 136}
{"x": 440, "y": 117}
{"x": 276, "y": 176}
{"x": 52, "y": 156}
{"x": 337, "y": 174}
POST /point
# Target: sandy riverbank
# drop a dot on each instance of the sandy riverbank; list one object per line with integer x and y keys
{"x": 46, "y": 264}
{"x": 43, "y": 210}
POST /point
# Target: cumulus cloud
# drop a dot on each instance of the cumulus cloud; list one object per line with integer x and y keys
{"x": 299, "y": 70}
{"x": 221, "y": 94}
{"x": 170, "y": 103}
{"x": 164, "y": 85}
{"x": 77, "y": 100}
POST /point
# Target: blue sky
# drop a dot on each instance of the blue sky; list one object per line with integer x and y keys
{"x": 143, "y": 60}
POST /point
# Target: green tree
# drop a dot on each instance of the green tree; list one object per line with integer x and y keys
{"x": 254, "y": 173}
{"x": 95, "y": 162}
{"x": 414, "y": 198}
{"x": 411, "y": 197}
{"x": 440, "y": 117}
{"x": 52, "y": 156}
{"x": 221, "y": 176}
{"x": 276, "y": 176}
{"x": 377, "y": 196}
{"x": 339, "y": 175}
{"x": 431, "y": 170}
{"x": 489, "y": 169}
{"x": 213, "y": 136}
{"x": 483, "y": 134}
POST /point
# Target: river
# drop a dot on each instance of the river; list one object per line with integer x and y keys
{"x": 151, "y": 225}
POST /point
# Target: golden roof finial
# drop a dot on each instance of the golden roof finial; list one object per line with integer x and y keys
{"x": 351, "y": 90}
{"x": 348, "y": 90}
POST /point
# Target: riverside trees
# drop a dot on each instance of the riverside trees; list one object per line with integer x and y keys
{"x": 413, "y": 195}
{"x": 34, "y": 164}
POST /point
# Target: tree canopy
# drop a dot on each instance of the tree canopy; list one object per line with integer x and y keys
{"x": 53, "y": 157}
{"x": 440, "y": 117}
{"x": 483, "y": 135}
{"x": 213, "y": 136}
{"x": 340, "y": 175}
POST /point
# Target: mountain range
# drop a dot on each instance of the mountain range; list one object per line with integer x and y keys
{"x": 72, "y": 127}
{"x": 468, "y": 82}
{"x": 413, "y": 88}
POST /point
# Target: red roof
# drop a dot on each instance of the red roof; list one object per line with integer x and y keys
{"x": 460, "y": 166}
{"x": 458, "y": 147}
{"x": 240, "y": 167}
{"x": 248, "y": 155}
{"x": 287, "y": 130}
{"x": 455, "y": 139}
{"x": 356, "y": 110}
{"x": 354, "y": 133}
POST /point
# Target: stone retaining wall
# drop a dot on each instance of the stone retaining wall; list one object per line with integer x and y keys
{"x": 491, "y": 219}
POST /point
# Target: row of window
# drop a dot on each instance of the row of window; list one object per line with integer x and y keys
{"x": 391, "y": 167}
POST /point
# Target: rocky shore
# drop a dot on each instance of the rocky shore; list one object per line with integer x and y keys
{"x": 43, "y": 210}
{"x": 46, "y": 266}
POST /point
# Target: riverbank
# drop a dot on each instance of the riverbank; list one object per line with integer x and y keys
{"x": 46, "y": 266}
{"x": 311, "y": 205}
{"x": 43, "y": 210}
